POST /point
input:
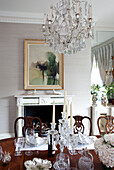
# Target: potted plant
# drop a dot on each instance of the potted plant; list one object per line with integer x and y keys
{"x": 109, "y": 92}
{"x": 95, "y": 89}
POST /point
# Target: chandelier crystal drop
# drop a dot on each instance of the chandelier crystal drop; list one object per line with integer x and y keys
{"x": 68, "y": 26}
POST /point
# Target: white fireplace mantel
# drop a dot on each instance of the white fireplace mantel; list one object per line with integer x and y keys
{"x": 37, "y": 100}
{"x": 34, "y": 99}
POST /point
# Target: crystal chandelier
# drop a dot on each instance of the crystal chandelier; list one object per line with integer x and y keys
{"x": 68, "y": 26}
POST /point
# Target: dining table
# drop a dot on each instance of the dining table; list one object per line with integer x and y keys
{"x": 17, "y": 162}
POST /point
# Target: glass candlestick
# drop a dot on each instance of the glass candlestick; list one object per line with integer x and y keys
{"x": 63, "y": 115}
{"x": 71, "y": 130}
{"x": 53, "y": 125}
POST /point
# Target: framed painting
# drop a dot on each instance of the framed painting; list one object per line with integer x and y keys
{"x": 43, "y": 68}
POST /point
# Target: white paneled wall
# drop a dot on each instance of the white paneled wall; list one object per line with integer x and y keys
{"x": 77, "y": 72}
{"x": 77, "y": 79}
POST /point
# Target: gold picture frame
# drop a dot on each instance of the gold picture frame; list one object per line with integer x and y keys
{"x": 43, "y": 68}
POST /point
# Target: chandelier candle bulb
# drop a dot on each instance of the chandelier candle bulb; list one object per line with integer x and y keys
{"x": 90, "y": 11}
{"x": 53, "y": 119}
{"x": 44, "y": 19}
{"x": 77, "y": 7}
{"x": 64, "y": 102}
{"x": 67, "y": 110}
{"x": 51, "y": 10}
{"x": 71, "y": 115}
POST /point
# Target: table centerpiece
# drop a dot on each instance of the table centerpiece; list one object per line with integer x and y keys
{"x": 104, "y": 146}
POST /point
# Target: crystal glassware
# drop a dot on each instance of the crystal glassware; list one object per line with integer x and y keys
{"x": 18, "y": 142}
{"x": 30, "y": 136}
{"x": 86, "y": 161}
{"x": 72, "y": 139}
{"x": 6, "y": 158}
{"x": 62, "y": 161}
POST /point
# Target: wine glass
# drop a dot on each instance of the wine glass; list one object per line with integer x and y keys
{"x": 18, "y": 142}
{"x": 30, "y": 136}
{"x": 72, "y": 144}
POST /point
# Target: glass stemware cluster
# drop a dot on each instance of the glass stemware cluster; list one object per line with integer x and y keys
{"x": 66, "y": 138}
{"x": 18, "y": 142}
{"x": 31, "y": 138}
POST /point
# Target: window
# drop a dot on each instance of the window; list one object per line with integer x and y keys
{"x": 95, "y": 75}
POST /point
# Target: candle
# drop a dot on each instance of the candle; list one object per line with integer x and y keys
{"x": 51, "y": 10}
{"x": 64, "y": 102}
{"x": 90, "y": 11}
{"x": 67, "y": 110}
{"x": 53, "y": 118}
{"x": 77, "y": 7}
{"x": 71, "y": 115}
{"x": 44, "y": 19}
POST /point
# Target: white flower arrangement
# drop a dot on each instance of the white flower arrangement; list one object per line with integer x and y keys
{"x": 104, "y": 146}
{"x": 37, "y": 164}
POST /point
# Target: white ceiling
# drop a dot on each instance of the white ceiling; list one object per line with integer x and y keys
{"x": 103, "y": 10}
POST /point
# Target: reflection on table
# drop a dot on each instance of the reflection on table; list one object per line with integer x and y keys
{"x": 17, "y": 162}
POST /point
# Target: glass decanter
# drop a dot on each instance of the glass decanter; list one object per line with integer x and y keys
{"x": 86, "y": 161}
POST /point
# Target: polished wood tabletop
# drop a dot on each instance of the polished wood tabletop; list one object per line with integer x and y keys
{"x": 17, "y": 162}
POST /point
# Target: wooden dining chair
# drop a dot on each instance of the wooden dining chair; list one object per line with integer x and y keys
{"x": 79, "y": 125}
{"x": 109, "y": 124}
{"x": 28, "y": 122}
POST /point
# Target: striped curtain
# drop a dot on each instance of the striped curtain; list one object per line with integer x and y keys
{"x": 103, "y": 56}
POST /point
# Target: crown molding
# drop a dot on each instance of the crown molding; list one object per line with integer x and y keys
{"x": 104, "y": 28}
{"x": 37, "y": 18}
{"x": 21, "y": 17}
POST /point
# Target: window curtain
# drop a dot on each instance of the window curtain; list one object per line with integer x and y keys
{"x": 103, "y": 56}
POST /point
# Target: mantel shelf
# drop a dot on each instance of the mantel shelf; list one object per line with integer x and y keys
{"x": 35, "y": 99}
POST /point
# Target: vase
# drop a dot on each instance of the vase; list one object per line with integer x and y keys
{"x": 94, "y": 100}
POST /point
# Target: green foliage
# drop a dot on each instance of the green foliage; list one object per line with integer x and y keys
{"x": 109, "y": 90}
{"x": 105, "y": 90}
{"x": 95, "y": 89}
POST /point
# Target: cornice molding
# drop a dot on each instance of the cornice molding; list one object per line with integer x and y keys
{"x": 37, "y": 18}
{"x": 21, "y": 17}
{"x": 104, "y": 28}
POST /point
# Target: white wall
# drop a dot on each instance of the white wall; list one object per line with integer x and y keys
{"x": 77, "y": 72}
{"x": 77, "y": 79}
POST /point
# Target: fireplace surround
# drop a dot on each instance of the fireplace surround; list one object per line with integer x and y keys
{"x": 41, "y": 106}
